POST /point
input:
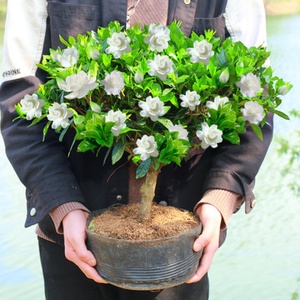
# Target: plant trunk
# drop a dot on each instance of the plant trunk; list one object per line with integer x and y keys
{"x": 147, "y": 193}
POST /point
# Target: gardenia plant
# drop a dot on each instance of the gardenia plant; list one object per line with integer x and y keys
{"x": 154, "y": 93}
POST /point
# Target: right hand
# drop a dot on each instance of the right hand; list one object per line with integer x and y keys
{"x": 74, "y": 224}
{"x": 208, "y": 239}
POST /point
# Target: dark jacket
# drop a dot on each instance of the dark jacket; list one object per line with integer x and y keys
{"x": 53, "y": 177}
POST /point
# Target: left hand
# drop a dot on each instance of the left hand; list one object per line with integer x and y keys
{"x": 75, "y": 248}
{"x": 208, "y": 240}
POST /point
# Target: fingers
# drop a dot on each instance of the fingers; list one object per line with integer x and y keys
{"x": 208, "y": 240}
{"x": 205, "y": 263}
{"x": 85, "y": 260}
{"x": 75, "y": 248}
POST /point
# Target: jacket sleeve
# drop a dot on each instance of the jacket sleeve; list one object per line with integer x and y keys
{"x": 234, "y": 167}
{"x": 43, "y": 167}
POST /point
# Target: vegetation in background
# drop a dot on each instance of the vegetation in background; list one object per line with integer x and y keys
{"x": 282, "y": 7}
{"x": 272, "y": 7}
{"x": 2, "y": 12}
{"x": 296, "y": 295}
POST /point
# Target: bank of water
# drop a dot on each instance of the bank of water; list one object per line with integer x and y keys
{"x": 261, "y": 257}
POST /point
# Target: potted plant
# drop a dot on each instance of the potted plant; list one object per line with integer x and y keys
{"x": 156, "y": 95}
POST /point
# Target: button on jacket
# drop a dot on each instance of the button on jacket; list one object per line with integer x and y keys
{"x": 51, "y": 177}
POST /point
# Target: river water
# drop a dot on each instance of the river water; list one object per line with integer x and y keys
{"x": 261, "y": 257}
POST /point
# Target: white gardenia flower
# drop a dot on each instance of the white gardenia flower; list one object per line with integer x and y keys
{"x": 113, "y": 83}
{"x": 191, "y": 99}
{"x": 209, "y": 135}
{"x": 161, "y": 66}
{"x": 59, "y": 114}
{"x": 78, "y": 84}
{"x": 68, "y": 58}
{"x": 158, "y": 38}
{"x": 118, "y": 44}
{"x": 218, "y": 102}
{"x": 147, "y": 147}
{"x": 152, "y": 108}
{"x": 253, "y": 112}
{"x": 118, "y": 118}
{"x": 201, "y": 52}
{"x": 249, "y": 85}
{"x": 31, "y": 105}
{"x": 182, "y": 132}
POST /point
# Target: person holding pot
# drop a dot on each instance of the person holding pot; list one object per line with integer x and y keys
{"x": 62, "y": 189}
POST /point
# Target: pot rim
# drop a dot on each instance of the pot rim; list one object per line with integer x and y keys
{"x": 197, "y": 229}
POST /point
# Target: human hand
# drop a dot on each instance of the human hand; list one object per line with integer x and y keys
{"x": 74, "y": 224}
{"x": 208, "y": 240}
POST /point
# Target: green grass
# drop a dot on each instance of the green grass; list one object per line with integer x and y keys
{"x": 2, "y": 12}
{"x": 2, "y": 6}
{"x": 282, "y": 7}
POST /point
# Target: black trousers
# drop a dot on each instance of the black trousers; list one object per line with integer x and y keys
{"x": 63, "y": 280}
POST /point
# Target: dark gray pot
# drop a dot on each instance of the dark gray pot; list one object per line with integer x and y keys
{"x": 145, "y": 265}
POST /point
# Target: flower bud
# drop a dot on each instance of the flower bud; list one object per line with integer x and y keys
{"x": 138, "y": 77}
{"x": 284, "y": 89}
{"x": 95, "y": 54}
{"x": 224, "y": 76}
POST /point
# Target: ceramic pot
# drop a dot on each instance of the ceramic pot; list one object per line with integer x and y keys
{"x": 147, "y": 264}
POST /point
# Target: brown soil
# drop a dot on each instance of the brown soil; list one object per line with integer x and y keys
{"x": 122, "y": 222}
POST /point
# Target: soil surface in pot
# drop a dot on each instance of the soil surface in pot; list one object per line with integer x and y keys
{"x": 122, "y": 222}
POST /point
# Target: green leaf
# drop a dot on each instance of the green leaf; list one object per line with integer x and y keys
{"x": 222, "y": 59}
{"x": 173, "y": 150}
{"x": 45, "y": 129}
{"x": 78, "y": 119}
{"x": 143, "y": 168}
{"x": 91, "y": 226}
{"x": 166, "y": 122}
{"x": 182, "y": 78}
{"x": 63, "y": 41}
{"x": 280, "y": 114}
{"x": 232, "y": 137}
{"x": 85, "y": 146}
{"x": 106, "y": 60}
{"x": 257, "y": 130}
{"x": 106, "y": 155}
{"x": 19, "y": 112}
{"x": 62, "y": 134}
{"x": 95, "y": 107}
{"x": 136, "y": 159}
{"x": 99, "y": 130}
{"x": 71, "y": 40}
{"x": 160, "y": 140}
{"x": 117, "y": 152}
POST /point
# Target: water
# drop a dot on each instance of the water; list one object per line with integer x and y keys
{"x": 261, "y": 257}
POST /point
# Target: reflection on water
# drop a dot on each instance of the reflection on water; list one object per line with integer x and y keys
{"x": 260, "y": 259}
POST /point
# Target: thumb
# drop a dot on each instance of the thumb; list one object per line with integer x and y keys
{"x": 205, "y": 237}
